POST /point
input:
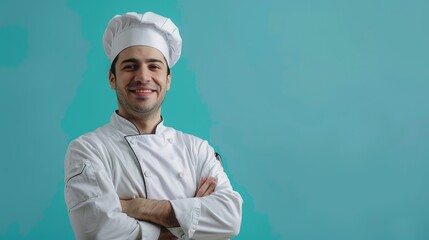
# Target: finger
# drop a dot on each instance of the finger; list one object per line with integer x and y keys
{"x": 202, "y": 189}
{"x": 207, "y": 187}
{"x": 210, "y": 189}
{"x": 202, "y": 181}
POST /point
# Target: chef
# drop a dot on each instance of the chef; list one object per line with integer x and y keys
{"x": 136, "y": 178}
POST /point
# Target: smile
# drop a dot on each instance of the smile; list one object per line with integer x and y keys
{"x": 143, "y": 91}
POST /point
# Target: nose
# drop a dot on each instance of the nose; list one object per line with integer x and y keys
{"x": 142, "y": 74}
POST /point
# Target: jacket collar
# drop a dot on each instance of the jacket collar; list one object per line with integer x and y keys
{"x": 128, "y": 128}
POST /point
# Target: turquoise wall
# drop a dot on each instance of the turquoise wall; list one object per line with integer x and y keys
{"x": 317, "y": 107}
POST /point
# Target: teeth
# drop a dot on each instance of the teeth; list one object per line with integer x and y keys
{"x": 143, "y": 91}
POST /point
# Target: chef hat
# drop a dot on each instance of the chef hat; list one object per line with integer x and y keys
{"x": 147, "y": 29}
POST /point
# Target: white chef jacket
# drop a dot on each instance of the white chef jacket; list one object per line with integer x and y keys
{"x": 116, "y": 162}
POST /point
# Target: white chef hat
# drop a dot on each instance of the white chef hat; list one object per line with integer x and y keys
{"x": 148, "y": 29}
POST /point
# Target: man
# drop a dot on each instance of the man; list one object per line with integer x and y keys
{"x": 135, "y": 178}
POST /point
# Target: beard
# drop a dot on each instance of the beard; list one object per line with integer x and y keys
{"x": 143, "y": 108}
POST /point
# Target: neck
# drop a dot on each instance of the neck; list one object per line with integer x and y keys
{"x": 145, "y": 124}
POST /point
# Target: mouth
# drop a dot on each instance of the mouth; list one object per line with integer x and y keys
{"x": 142, "y": 93}
{"x": 142, "y": 90}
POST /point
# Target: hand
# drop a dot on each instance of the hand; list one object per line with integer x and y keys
{"x": 206, "y": 186}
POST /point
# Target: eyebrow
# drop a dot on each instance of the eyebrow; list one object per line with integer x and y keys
{"x": 129, "y": 60}
{"x": 149, "y": 60}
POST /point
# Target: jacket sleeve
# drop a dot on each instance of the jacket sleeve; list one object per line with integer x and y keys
{"x": 217, "y": 216}
{"x": 92, "y": 202}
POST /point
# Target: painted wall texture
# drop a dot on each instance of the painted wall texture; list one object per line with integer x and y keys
{"x": 317, "y": 107}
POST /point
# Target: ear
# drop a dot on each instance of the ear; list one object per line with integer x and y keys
{"x": 169, "y": 80}
{"x": 112, "y": 80}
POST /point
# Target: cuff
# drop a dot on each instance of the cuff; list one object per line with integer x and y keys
{"x": 188, "y": 213}
{"x": 149, "y": 231}
{"x": 178, "y": 232}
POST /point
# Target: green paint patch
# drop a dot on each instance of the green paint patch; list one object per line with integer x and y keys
{"x": 14, "y": 47}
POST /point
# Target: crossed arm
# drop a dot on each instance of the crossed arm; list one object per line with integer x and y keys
{"x": 160, "y": 211}
{"x": 96, "y": 212}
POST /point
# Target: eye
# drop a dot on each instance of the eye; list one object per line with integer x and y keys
{"x": 154, "y": 67}
{"x": 129, "y": 67}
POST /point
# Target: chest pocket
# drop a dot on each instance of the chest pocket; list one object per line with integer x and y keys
{"x": 81, "y": 184}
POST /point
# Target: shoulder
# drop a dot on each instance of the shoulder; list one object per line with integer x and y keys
{"x": 91, "y": 148}
{"x": 94, "y": 138}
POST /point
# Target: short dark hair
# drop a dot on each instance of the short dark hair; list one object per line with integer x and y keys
{"x": 113, "y": 69}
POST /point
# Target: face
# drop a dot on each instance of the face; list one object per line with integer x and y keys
{"x": 141, "y": 82}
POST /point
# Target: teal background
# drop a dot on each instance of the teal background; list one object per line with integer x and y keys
{"x": 319, "y": 109}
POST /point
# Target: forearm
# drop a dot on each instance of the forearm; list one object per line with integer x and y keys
{"x": 212, "y": 217}
{"x": 156, "y": 211}
{"x": 91, "y": 222}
